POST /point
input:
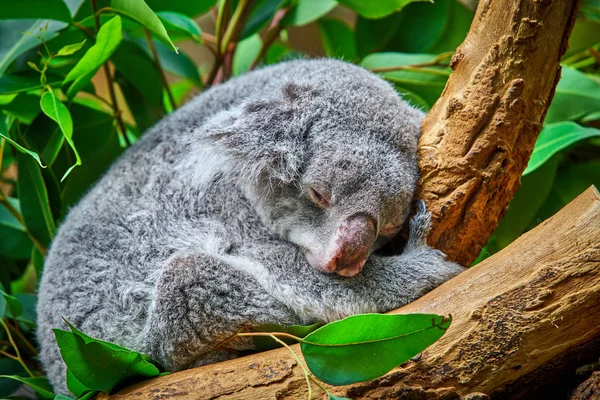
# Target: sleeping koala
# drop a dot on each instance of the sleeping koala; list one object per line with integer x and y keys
{"x": 260, "y": 201}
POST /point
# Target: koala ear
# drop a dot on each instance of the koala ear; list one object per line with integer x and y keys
{"x": 262, "y": 138}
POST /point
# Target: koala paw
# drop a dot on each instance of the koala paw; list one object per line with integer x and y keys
{"x": 420, "y": 225}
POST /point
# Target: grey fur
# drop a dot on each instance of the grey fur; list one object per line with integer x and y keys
{"x": 200, "y": 227}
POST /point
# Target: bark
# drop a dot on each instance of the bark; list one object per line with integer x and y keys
{"x": 477, "y": 139}
{"x": 588, "y": 390}
{"x": 530, "y": 304}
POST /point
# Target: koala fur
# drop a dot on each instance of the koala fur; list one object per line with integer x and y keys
{"x": 206, "y": 224}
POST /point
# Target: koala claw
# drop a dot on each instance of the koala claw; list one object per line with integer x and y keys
{"x": 420, "y": 224}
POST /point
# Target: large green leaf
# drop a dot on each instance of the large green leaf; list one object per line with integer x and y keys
{"x": 176, "y": 63}
{"x": 557, "y": 137}
{"x": 33, "y": 197}
{"x": 262, "y": 11}
{"x": 576, "y": 95}
{"x": 364, "y": 347}
{"x": 15, "y": 242}
{"x": 23, "y": 150}
{"x": 60, "y": 114}
{"x": 246, "y": 51}
{"x": 138, "y": 68}
{"x": 428, "y": 84}
{"x": 443, "y": 29}
{"x": 19, "y": 36}
{"x": 50, "y": 9}
{"x": 19, "y": 83}
{"x": 107, "y": 41}
{"x": 376, "y": 9}
{"x": 139, "y": 11}
{"x": 101, "y": 365}
{"x": 25, "y": 107}
{"x": 338, "y": 39}
{"x": 307, "y": 11}
{"x": 178, "y": 24}
{"x": 39, "y": 384}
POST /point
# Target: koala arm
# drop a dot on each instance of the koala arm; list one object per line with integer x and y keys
{"x": 199, "y": 302}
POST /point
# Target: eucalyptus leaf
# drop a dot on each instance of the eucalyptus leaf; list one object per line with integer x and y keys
{"x": 39, "y": 384}
{"x": 70, "y": 49}
{"x": 367, "y": 346}
{"x": 49, "y": 9}
{"x": 23, "y": 150}
{"x": 576, "y": 95}
{"x": 181, "y": 24}
{"x": 246, "y": 51}
{"x": 108, "y": 39}
{"x": 307, "y": 11}
{"x": 58, "y": 112}
{"x": 427, "y": 84}
{"x": 178, "y": 64}
{"x": 376, "y": 9}
{"x": 13, "y": 305}
{"x": 191, "y": 8}
{"x": 15, "y": 242}
{"x": 18, "y": 83}
{"x": 555, "y": 138}
{"x": 33, "y": 197}
{"x": 261, "y": 12}
{"x": 139, "y": 11}
{"x": 338, "y": 39}
{"x": 100, "y": 365}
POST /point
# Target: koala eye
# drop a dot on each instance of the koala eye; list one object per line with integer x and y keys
{"x": 318, "y": 197}
{"x": 390, "y": 230}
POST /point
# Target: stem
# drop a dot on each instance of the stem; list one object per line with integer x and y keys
{"x": 307, "y": 374}
{"x": 233, "y": 25}
{"x": 84, "y": 29}
{"x": 13, "y": 211}
{"x": 272, "y": 34}
{"x": 8, "y": 355}
{"x": 219, "y": 25}
{"x": 436, "y": 61}
{"x": 109, "y": 80}
{"x": 2, "y": 144}
{"x": 14, "y": 345}
{"x": 30, "y": 347}
{"x": 160, "y": 68}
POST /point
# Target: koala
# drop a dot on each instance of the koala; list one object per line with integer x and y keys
{"x": 260, "y": 201}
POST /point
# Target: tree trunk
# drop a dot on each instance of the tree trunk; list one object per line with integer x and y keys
{"x": 477, "y": 138}
{"x": 535, "y": 301}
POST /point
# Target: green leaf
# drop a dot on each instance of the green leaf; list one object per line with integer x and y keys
{"x": 261, "y": 12}
{"x": 35, "y": 207}
{"x": 332, "y": 397}
{"x": 39, "y": 384}
{"x": 139, "y": 11}
{"x": 23, "y": 150}
{"x": 426, "y": 85}
{"x": 25, "y": 107}
{"x": 376, "y": 9}
{"x": 75, "y": 386}
{"x": 576, "y": 95}
{"x": 70, "y": 49}
{"x": 181, "y": 24}
{"x": 100, "y": 365}
{"x": 137, "y": 67}
{"x": 59, "y": 113}
{"x": 107, "y": 41}
{"x": 338, "y": 39}
{"x": 176, "y": 63}
{"x": 556, "y": 137}
{"x": 50, "y": 9}
{"x": 367, "y": 346}
{"x": 18, "y": 83}
{"x": 307, "y": 11}
{"x": 9, "y": 367}
{"x": 15, "y": 242}
{"x": 12, "y": 304}
{"x": 19, "y": 36}
{"x": 191, "y": 8}
{"x": 245, "y": 52}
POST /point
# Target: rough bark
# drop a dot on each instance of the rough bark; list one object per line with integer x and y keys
{"x": 588, "y": 390}
{"x": 478, "y": 137}
{"x": 533, "y": 302}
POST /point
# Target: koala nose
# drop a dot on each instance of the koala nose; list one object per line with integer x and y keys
{"x": 355, "y": 237}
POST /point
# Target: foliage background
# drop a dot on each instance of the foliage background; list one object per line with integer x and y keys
{"x": 73, "y": 100}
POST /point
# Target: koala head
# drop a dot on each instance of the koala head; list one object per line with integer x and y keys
{"x": 331, "y": 167}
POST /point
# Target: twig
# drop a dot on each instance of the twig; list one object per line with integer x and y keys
{"x": 8, "y": 355}
{"x": 30, "y": 347}
{"x": 160, "y": 68}
{"x": 109, "y": 80}
{"x": 12, "y": 342}
{"x": 272, "y": 34}
{"x": 233, "y": 25}
{"x": 218, "y": 38}
{"x": 84, "y": 29}
{"x": 436, "y": 61}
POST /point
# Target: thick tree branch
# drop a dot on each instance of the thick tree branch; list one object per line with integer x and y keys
{"x": 477, "y": 139}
